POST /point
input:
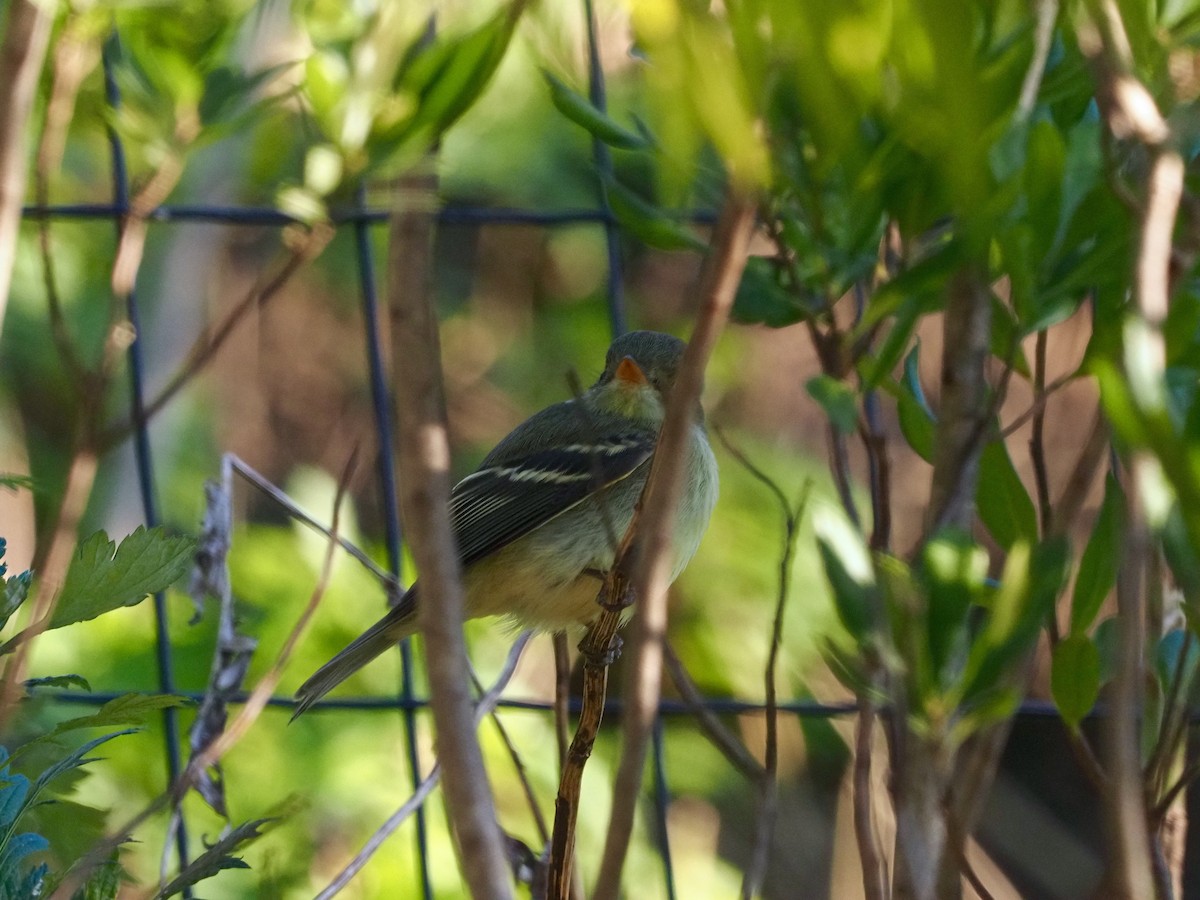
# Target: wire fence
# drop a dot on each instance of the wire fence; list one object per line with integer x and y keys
{"x": 363, "y": 219}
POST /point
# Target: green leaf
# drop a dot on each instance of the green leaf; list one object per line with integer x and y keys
{"x": 1026, "y": 596}
{"x": 1075, "y": 678}
{"x": 103, "y": 576}
{"x": 447, "y": 76}
{"x": 955, "y": 570}
{"x": 1101, "y": 558}
{"x": 917, "y": 421}
{"x": 580, "y": 110}
{"x": 217, "y": 858}
{"x": 762, "y": 300}
{"x": 837, "y": 399}
{"x": 128, "y": 709}
{"x": 849, "y": 570}
{"x": 1003, "y": 503}
{"x": 648, "y": 223}
{"x": 59, "y": 681}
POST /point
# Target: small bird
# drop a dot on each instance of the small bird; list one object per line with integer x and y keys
{"x": 538, "y": 523}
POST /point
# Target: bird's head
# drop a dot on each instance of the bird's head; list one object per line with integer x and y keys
{"x": 638, "y": 375}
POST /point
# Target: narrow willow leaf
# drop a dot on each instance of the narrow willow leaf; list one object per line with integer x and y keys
{"x": 580, "y": 110}
{"x": 1075, "y": 678}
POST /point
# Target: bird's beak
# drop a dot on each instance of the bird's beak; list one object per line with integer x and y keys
{"x": 630, "y": 374}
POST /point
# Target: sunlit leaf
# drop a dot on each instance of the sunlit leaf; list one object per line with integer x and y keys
{"x": 103, "y": 576}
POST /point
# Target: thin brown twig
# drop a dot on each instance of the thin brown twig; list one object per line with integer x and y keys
{"x": 874, "y": 870}
{"x": 75, "y": 54}
{"x": 22, "y": 53}
{"x": 769, "y": 788}
{"x": 211, "y": 754}
{"x": 535, "y": 809}
{"x": 389, "y": 581}
{"x": 1130, "y": 112}
{"x": 1038, "y": 405}
{"x": 304, "y": 247}
{"x": 709, "y": 724}
{"x": 664, "y": 487}
{"x": 486, "y": 706}
{"x": 80, "y": 478}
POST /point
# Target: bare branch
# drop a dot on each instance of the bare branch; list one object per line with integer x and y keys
{"x": 664, "y": 487}
{"x": 424, "y": 463}
{"x": 22, "y": 53}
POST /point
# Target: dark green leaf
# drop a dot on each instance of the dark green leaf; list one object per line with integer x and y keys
{"x": 1075, "y": 678}
{"x": 581, "y": 111}
{"x": 103, "y": 576}
{"x": 59, "y": 681}
{"x": 1098, "y": 567}
{"x": 917, "y": 421}
{"x": 848, "y": 568}
{"x": 838, "y": 400}
{"x": 648, "y": 223}
{"x": 217, "y": 858}
{"x": 1003, "y": 503}
{"x": 762, "y": 300}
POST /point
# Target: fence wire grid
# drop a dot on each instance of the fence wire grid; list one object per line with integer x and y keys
{"x": 363, "y": 219}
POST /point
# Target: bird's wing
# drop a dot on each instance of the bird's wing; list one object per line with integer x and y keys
{"x": 505, "y": 501}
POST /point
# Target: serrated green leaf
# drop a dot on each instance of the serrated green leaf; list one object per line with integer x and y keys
{"x": 580, "y": 110}
{"x": 217, "y": 858}
{"x": 104, "y": 576}
{"x": 127, "y": 709}
{"x": 59, "y": 681}
{"x": 838, "y": 400}
{"x": 1101, "y": 558}
{"x": 1001, "y": 498}
{"x": 14, "y": 592}
{"x": 1075, "y": 678}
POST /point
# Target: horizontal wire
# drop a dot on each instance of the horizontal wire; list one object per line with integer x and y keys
{"x": 265, "y": 215}
{"x": 804, "y": 708}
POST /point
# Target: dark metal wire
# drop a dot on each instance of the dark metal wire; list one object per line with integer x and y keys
{"x": 141, "y": 446}
{"x": 381, "y": 405}
{"x": 271, "y": 217}
{"x": 808, "y": 709}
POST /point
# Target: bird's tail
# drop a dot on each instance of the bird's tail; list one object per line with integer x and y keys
{"x": 399, "y": 623}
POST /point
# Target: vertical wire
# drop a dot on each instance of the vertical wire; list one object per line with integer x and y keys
{"x": 662, "y": 797}
{"x": 141, "y": 446}
{"x": 614, "y": 295}
{"x": 381, "y": 408}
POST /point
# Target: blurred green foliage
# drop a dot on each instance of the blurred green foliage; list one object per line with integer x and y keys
{"x": 901, "y": 126}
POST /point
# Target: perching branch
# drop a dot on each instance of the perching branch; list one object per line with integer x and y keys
{"x": 424, "y": 465}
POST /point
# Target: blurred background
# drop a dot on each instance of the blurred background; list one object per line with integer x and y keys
{"x": 521, "y": 305}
